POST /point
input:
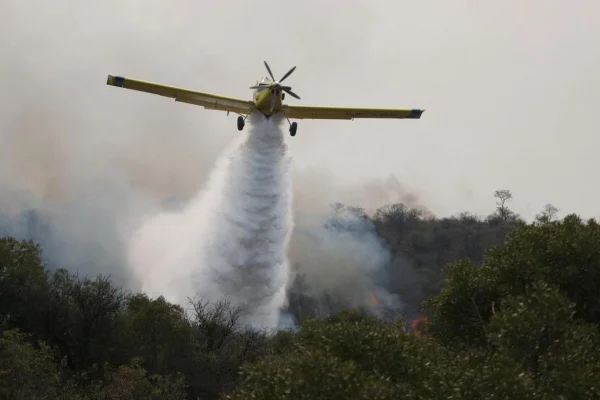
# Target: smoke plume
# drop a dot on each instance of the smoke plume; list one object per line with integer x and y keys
{"x": 232, "y": 239}
{"x": 342, "y": 261}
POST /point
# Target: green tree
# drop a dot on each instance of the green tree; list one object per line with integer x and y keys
{"x": 158, "y": 333}
{"x": 539, "y": 331}
{"x": 308, "y": 375}
{"x": 132, "y": 382}
{"x": 349, "y": 356}
{"x": 82, "y": 318}
{"x": 563, "y": 253}
{"x": 28, "y": 371}
{"x": 23, "y": 284}
{"x": 355, "y": 356}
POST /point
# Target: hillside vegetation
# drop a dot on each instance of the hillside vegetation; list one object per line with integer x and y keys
{"x": 511, "y": 311}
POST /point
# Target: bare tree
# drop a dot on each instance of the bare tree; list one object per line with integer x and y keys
{"x": 548, "y": 214}
{"x": 214, "y": 322}
{"x": 503, "y": 196}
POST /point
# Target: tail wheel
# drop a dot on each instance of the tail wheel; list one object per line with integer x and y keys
{"x": 240, "y": 123}
{"x": 293, "y": 128}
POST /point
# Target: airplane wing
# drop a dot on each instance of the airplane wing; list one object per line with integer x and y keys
{"x": 314, "y": 112}
{"x": 207, "y": 100}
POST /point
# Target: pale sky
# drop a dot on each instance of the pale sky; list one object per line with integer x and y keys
{"x": 510, "y": 89}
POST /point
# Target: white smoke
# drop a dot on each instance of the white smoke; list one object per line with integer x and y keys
{"x": 232, "y": 239}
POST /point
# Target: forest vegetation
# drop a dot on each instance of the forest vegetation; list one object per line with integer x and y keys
{"x": 509, "y": 309}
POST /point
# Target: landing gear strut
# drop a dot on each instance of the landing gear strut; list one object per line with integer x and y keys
{"x": 240, "y": 123}
{"x": 293, "y": 128}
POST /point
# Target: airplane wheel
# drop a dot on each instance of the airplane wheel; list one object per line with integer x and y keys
{"x": 293, "y": 128}
{"x": 240, "y": 123}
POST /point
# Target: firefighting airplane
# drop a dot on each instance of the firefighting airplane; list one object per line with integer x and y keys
{"x": 268, "y": 99}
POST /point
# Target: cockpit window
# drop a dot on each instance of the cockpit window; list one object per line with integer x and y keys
{"x": 264, "y": 80}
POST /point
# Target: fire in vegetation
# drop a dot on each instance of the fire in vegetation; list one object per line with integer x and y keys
{"x": 416, "y": 325}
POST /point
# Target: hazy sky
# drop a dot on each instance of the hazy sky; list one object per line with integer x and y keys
{"x": 510, "y": 88}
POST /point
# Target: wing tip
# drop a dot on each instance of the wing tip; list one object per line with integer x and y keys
{"x": 416, "y": 113}
{"x": 114, "y": 80}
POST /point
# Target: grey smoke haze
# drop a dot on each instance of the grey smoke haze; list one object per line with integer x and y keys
{"x": 510, "y": 89}
{"x": 345, "y": 258}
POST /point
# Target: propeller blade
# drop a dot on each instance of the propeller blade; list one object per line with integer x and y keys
{"x": 273, "y": 98}
{"x": 288, "y": 74}
{"x": 259, "y": 87}
{"x": 285, "y": 89}
{"x": 269, "y": 69}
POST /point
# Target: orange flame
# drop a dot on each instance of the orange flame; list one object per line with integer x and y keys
{"x": 373, "y": 299}
{"x": 417, "y": 323}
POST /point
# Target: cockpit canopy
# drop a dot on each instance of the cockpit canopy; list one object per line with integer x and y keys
{"x": 266, "y": 80}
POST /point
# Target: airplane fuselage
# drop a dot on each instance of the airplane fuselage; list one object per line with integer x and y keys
{"x": 262, "y": 99}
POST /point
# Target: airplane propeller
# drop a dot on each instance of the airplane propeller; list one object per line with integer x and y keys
{"x": 276, "y": 85}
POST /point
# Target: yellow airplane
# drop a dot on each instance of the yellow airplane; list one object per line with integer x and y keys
{"x": 268, "y": 99}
